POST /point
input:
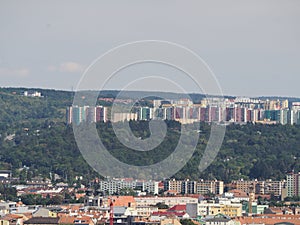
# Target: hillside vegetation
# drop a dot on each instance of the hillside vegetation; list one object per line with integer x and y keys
{"x": 36, "y": 141}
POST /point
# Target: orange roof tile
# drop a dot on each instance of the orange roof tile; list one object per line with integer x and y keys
{"x": 269, "y": 219}
{"x": 66, "y": 219}
{"x": 27, "y": 215}
{"x": 11, "y": 217}
{"x": 122, "y": 200}
{"x": 238, "y": 193}
{"x": 87, "y": 219}
{"x": 178, "y": 208}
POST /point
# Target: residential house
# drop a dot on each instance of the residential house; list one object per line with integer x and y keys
{"x": 83, "y": 220}
{"x": 11, "y": 219}
{"x": 219, "y": 219}
{"x": 145, "y": 211}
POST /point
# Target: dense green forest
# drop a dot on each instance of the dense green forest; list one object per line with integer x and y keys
{"x": 35, "y": 140}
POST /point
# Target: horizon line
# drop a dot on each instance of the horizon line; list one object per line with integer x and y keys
{"x": 170, "y": 92}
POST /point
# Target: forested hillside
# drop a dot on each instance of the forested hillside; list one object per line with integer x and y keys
{"x": 34, "y": 135}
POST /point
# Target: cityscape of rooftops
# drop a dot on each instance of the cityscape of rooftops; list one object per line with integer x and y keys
{"x": 149, "y": 112}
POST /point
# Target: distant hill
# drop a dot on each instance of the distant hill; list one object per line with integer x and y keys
{"x": 34, "y": 136}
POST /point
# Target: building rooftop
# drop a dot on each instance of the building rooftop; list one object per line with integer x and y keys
{"x": 178, "y": 208}
{"x": 42, "y": 220}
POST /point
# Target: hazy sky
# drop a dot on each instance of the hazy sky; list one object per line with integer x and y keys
{"x": 252, "y": 46}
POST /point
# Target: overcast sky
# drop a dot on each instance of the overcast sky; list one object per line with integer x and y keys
{"x": 252, "y": 46}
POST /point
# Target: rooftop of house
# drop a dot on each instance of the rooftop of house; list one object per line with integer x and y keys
{"x": 178, "y": 208}
{"x": 270, "y": 219}
{"x": 82, "y": 219}
{"x": 238, "y": 193}
{"x": 123, "y": 200}
{"x": 65, "y": 219}
{"x": 42, "y": 220}
{"x": 11, "y": 217}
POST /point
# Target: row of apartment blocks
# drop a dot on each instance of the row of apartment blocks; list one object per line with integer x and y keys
{"x": 217, "y": 187}
{"x": 77, "y": 115}
{"x": 194, "y": 187}
{"x": 260, "y": 187}
{"x": 284, "y": 188}
{"x": 114, "y": 186}
{"x": 184, "y": 111}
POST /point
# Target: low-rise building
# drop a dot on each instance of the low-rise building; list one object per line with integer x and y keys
{"x": 211, "y": 209}
{"x": 145, "y": 211}
{"x": 170, "y": 201}
{"x": 11, "y": 219}
{"x": 218, "y": 219}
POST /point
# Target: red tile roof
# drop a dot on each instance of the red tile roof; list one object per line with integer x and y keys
{"x": 123, "y": 200}
{"x": 11, "y": 217}
{"x": 269, "y": 219}
{"x": 238, "y": 193}
{"x": 66, "y": 219}
{"x": 178, "y": 208}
